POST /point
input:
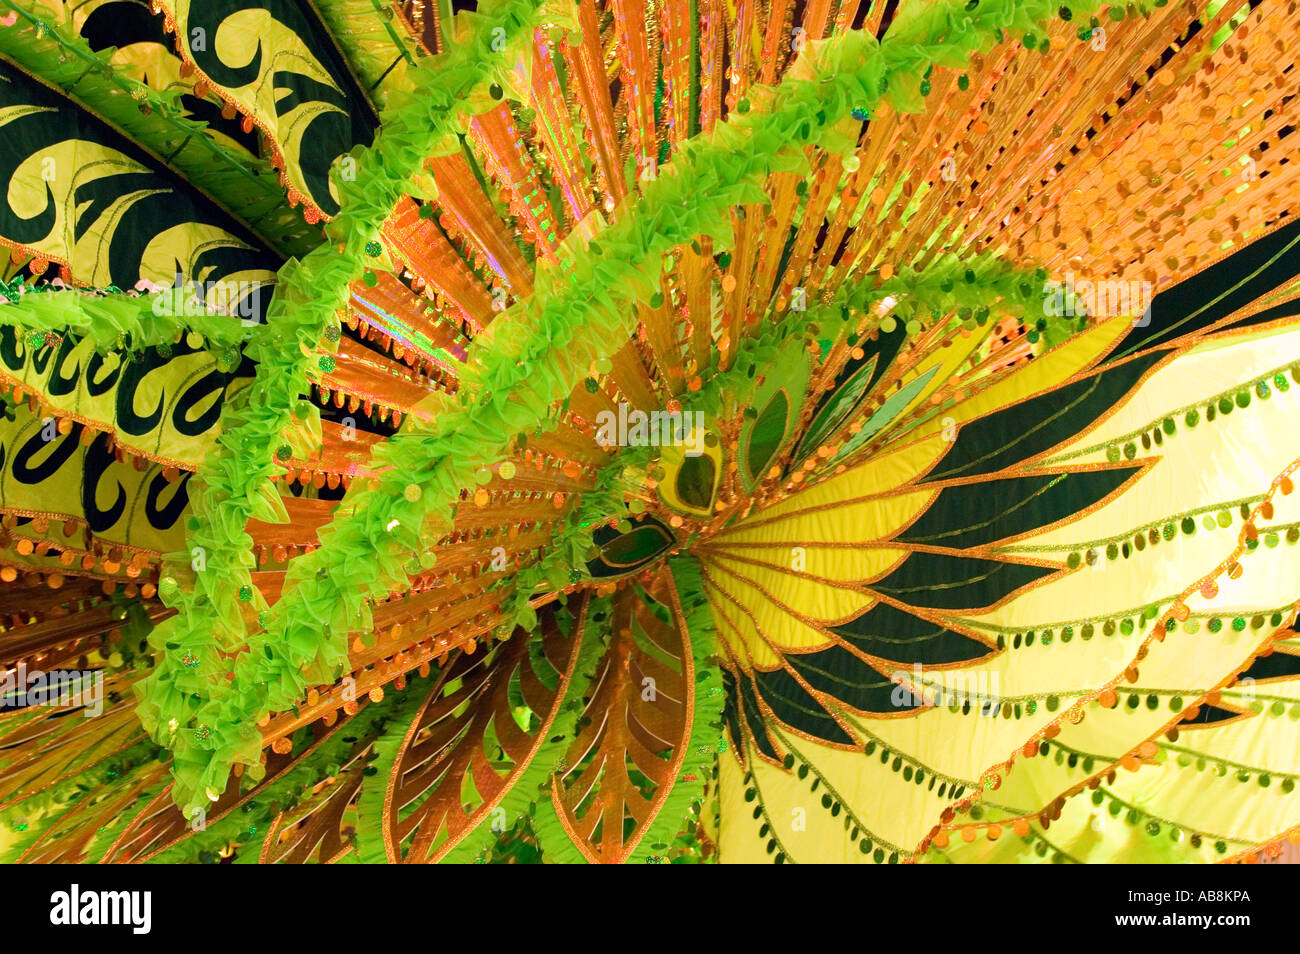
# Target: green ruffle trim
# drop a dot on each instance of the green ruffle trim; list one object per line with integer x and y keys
{"x": 534, "y": 784}
{"x": 703, "y": 732}
{"x": 371, "y": 817}
{"x": 553, "y": 841}
{"x": 235, "y": 484}
{"x": 116, "y": 321}
{"x": 539, "y": 352}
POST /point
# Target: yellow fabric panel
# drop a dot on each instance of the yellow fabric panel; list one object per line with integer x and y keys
{"x": 810, "y": 598}
{"x": 870, "y": 520}
{"x": 151, "y": 63}
{"x": 785, "y": 595}
{"x": 880, "y": 475}
{"x": 1194, "y": 377}
{"x": 187, "y": 243}
{"x": 52, "y": 176}
{"x": 738, "y": 840}
{"x": 896, "y": 813}
{"x": 1183, "y": 661}
{"x": 1194, "y": 662}
{"x": 179, "y": 385}
{"x": 238, "y": 39}
{"x": 1235, "y": 457}
{"x": 1201, "y": 800}
{"x": 1112, "y": 588}
{"x": 947, "y": 360}
{"x": 145, "y": 521}
{"x": 1074, "y": 836}
{"x": 841, "y": 564}
{"x": 776, "y": 628}
{"x": 1059, "y": 668}
{"x": 1241, "y": 694}
{"x": 58, "y": 170}
{"x": 956, "y": 744}
{"x": 738, "y": 631}
{"x": 1043, "y": 372}
{"x": 1222, "y": 805}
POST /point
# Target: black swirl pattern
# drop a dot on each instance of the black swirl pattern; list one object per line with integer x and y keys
{"x": 158, "y": 202}
{"x": 326, "y": 137}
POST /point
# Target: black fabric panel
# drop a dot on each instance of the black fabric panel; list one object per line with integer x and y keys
{"x": 796, "y": 708}
{"x": 1023, "y": 430}
{"x": 1288, "y": 309}
{"x": 330, "y": 134}
{"x": 740, "y": 693}
{"x": 837, "y": 672}
{"x": 209, "y": 15}
{"x": 204, "y": 111}
{"x": 125, "y": 22}
{"x": 974, "y": 514}
{"x": 731, "y": 710}
{"x": 1208, "y": 715}
{"x": 900, "y": 637}
{"x": 1273, "y": 666}
{"x": 940, "y": 581}
{"x": 1171, "y": 309}
{"x": 122, "y": 24}
{"x": 171, "y": 202}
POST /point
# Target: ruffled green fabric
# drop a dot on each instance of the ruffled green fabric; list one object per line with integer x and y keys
{"x": 539, "y": 352}
{"x": 117, "y": 321}
{"x": 235, "y": 484}
{"x": 534, "y": 784}
{"x": 250, "y": 826}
